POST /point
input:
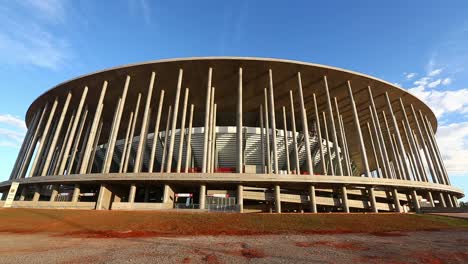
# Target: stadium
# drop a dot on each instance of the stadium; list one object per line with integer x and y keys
{"x": 229, "y": 134}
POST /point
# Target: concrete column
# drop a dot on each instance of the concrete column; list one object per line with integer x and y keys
{"x": 202, "y": 196}
{"x": 54, "y": 193}
{"x": 76, "y": 193}
{"x": 423, "y": 145}
{"x": 412, "y": 144}
{"x": 73, "y": 131}
{"x": 359, "y": 133}
{"x": 239, "y": 140}
{"x": 380, "y": 137}
{"x": 414, "y": 197}
{"x": 431, "y": 200}
{"x": 273, "y": 123}
{"x": 132, "y": 193}
{"x": 37, "y": 193}
{"x": 213, "y": 141}
{"x": 94, "y": 127}
{"x": 267, "y": 126}
{"x": 43, "y": 139}
{"x": 189, "y": 141}
{"x": 128, "y": 151}
{"x": 418, "y": 153}
{"x": 277, "y": 199}
{"x": 75, "y": 146}
{"x": 156, "y": 132}
{"x": 346, "y": 150}
{"x": 442, "y": 200}
{"x": 207, "y": 121}
{"x": 56, "y": 164}
{"x": 396, "y": 200}
{"x": 125, "y": 145}
{"x": 293, "y": 120}
{"x": 398, "y": 156}
{"x": 28, "y": 156}
{"x": 439, "y": 156}
{"x": 432, "y": 152}
{"x": 210, "y": 132}
{"x": 115, "y": 130}
{"x": 340, "y": 129}
{"x": 104, "y": 198}
{"x": 240, "y": 197}
{"x": 373, "y": 150}
{"x": 449, "y": 202}
{"x": 182, "y": 132}
{"x": 455, "y": 201}
{"x": 144, "y": 127}
{"x": 344, "y": 199}
{"x": 333, "y": 128}
{"x": 313, "y": 200}
{"x": 286, "y": 147}
{"x": 174, "y": 121}
{"x": 372, "y": 199}
{"x": 310, "y": 165}
{"x": 166, "y": 136}
{"x": 56, "y": 135}
{"x": 329, "y": 153}
{"x": 418, "y": 169}
{"x": 396, "y": 164}
{"x": 262, "y": 139}
{"x": 400, "y": 145}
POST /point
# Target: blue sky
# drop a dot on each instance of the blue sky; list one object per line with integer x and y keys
{"x": 420, "y": 45}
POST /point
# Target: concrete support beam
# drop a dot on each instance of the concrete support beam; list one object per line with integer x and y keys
{"x": 202, "y": 198}
{"x": 174, "y": 122}
{"x": 439, "y": 156}
{"x": 189, "y": 141}
{"x": 362, "y": 147}
{"x": 132, "y": 193}
{"x": 76, "y": 193}
{"x": 207, "y": 121}
{"x": 76, "y": 144}
{"x": 277, "y": 199}
{"x": 305, "y": 128}
{"x": 333, "y": 128}
{"x": 344, "y": 199}
{"x": 239, "y": 124}
{"x": 372, "y": 199}
{"x": 396, "y": 163}
{"x": 273, "y": 122}
{"x": 327, "y": 142}
{"x": 313, "y": 200}
{"x": 442, "y": 200}
{"x": 94, "y": 127}
{"x": 455, "y": 201}
{"x": 210, "y": 132}
{"x": 182, "y": 131}
{"x": 267, "y": 126}
{"x": 449, "y": 201}
{"x": 431, "y": 200}
{"x": 286, "y": 143}
{"x": 128, "y": 150}
{"x": 297, "y": 166}
{"x": 166, "y": 136}
{"x": 54, "y": 193}
{"x": 346, "y": 170}
{"x": 104, "y": 200}
{"x": 396, "y": 201}
{"x": 125, "y": 145}
{"x": 435, "y": 161}
{"x": 156, "y": 133}
{"x": 37, "y": 193}
{"x": 240, "y": 197}
{"x": 374, "y": 152}
{"x": 414, "y": 197}
{"x": 262, "y": 139}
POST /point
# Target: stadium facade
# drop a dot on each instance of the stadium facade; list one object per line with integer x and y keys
{"x": 231, "y": 134}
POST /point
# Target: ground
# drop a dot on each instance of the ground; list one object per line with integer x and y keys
{"x": 66, "y": 236}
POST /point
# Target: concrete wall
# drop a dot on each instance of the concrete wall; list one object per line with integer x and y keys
{"x": 54, "y": 205}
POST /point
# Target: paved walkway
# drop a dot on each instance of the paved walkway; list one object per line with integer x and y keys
{"x": 458, "y": 215}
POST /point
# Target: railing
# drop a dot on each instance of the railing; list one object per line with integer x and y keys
{"x": 209, "y": 207}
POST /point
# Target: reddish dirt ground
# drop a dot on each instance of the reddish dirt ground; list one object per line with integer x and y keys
{"x": 65, "y": 236}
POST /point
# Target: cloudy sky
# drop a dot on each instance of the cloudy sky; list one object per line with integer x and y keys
{"x": 421, "y": 46}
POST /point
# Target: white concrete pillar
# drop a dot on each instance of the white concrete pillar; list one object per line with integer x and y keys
{"x": 239, "y": 124}
{"x": 37, "y": 193}
{"x": 273, "y": 122}
{"x": 431, "y": 200}
{"x": 341, "y": 139}
{"x": 374, "y": 152}
{"x": 128, "y": 151}
{"x": 207, "y": 121}
{"x": 449, "y": 202}
{"x": 174, "y": 122}
{"x": 277, "y": 199}
{"x": 396, "y": 200}
{"x": 76, "y": 193}
{"x": 125, "y": 145}
{"x": 75, "y": 146}
{"x": 262, "y": 139}
{"x": 439, "y": 156}
{"x": 202, "y": 197}
{"x": 442, "y": 200}
{"x": 313, "y": 200}
{"x": 344, "y": 199}
{"x": 210, "y": 132}
{"x": 333, "y": 128}
{"x": 396, "y": 163}
{"x": 94, "y": 127}
{"x": 189, "y": 141}
{"x": 54, "y": 193}
{"x": 372, "y": 200}
{"x": 286, "y": 141}
{"x": 240, "y": 197}
{"x": 327, "y": 139}
{"x": 414, "y": 197}
{"x": 359, "y": 133}
{"x": 297, "y": 165}
{"x": 435, "y": 161}
{"x": 182, "y": 131}
{"x": 267, "y": 127}
{"x": 310, "y": 165}
{"x": 156, "y": 133}
{"x": 455, "y": 201}
{"x": 166, "y": 136}
{"x": 132, "y": 193}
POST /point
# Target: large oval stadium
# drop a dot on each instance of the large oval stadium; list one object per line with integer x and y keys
{"x": 230, "y": 134}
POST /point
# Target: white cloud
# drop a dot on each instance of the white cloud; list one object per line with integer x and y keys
{"x": 25, "y": 40}
{"x": 446, "y": 81}
{"x": 434, "y": 72}
{"x": 434, "y": 83}
{"x": 397, "y": 84}
{"x": 453, "y": 143}
{"x": 410, "y": 75}
{"x": 423, "y": 81}
{"x": 8, "y": 119}
{"x": 442, "y": 102}
{"x": 51, "y": 10}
